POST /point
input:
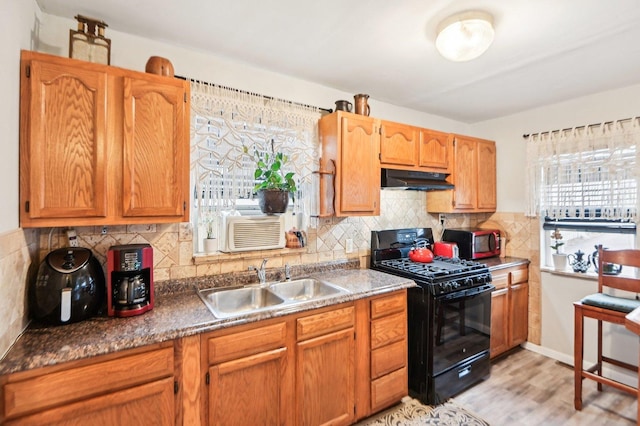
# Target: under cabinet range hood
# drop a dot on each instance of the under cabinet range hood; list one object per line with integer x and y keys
{"x": 417, "y": 181}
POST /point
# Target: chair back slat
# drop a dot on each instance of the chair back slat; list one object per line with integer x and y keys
{"x": 628, "y": 258}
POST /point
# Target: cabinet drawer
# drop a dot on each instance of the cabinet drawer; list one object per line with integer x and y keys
{"x": 388, "y": 305}
{"x": 325, "y": 322}
{"x": 388, "y": 358}
{"x": 80, "y": 383}
{"x": 388, "y": 329}
{"x": 389, "y": 389}
{"x": 153, "y": 402}
{"x": 246, "y": 343}
{"x": 520, "y": 276}
{"x": 500, "y": 280}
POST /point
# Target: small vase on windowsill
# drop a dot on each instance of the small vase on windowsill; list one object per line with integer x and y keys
{"x": 210, "y": 245}
{"x": 559, "y": 261}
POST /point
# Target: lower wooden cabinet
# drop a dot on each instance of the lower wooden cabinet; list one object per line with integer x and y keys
{"x": 389, "y": 380}
{"x": 151, "y": 403}
{"x": 333, "y": 365}
{"x": 509, "y": 308}
{"x": 248, "y": 390}
{"x": 131, "y": 387}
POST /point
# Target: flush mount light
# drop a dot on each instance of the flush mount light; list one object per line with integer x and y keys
{"x": 465, "y": 36}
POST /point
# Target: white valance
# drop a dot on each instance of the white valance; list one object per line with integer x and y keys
{"x": 228, "y": 123}
{"x": 584, "y": 172}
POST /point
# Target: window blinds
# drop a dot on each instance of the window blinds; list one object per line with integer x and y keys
{"x": 584, "y": 172}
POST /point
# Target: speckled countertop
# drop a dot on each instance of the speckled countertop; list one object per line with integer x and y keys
{"x": 173, "y": 316}
{"x": 495, "y": 263}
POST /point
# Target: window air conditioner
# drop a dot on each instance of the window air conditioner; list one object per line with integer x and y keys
{"x": 245, "y": 233}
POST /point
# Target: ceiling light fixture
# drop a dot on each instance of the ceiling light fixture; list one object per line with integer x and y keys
{"x": 465, "y": 36}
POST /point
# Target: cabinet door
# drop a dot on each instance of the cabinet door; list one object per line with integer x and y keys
{"x": 156, "y": 149}
{"x": 519, "y": 306}
{"x": 465, "y": 173}
{"x": 486, "y": 175}
{"x": 152, "y": 403}
{"x": 250, "y": 390}
{"x": 63, "y": 142}
{"x": 359, "y": 173}
{"x": 435, "y": 151}
{"x": 325, "y": 369}
{"x": 499, "y": 321}
{"x": 398, "y": 144}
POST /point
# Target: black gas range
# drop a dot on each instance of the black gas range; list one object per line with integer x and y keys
{"x": 449, "y": 314}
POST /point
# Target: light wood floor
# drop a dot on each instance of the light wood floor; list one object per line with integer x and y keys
{"x": 526, "y": 388}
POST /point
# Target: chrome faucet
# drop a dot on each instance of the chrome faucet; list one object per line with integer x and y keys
{"x": 261, "y": 271}
{"x": 287, "y": 272}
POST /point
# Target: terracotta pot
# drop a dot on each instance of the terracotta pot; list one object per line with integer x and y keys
{"x": 160, "y": 66}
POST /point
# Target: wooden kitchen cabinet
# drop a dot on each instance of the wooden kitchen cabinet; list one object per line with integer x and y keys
{"x": 389, "y": 379}
{"x": 435, "y": 151}
{"x": 509, "y": 308}
{"x": 398, "y": 145}
{"x": 325, "y": 367}
{"x": 474, "y": 177}
{"x": 500, "y": 314}
{"x": 411, "y": 148}
{"x": 249, "y": 377}
{"x": 295, "y": 370}
{"x": 129, "y": 387}
{"x": 101, "y": 145}
{"x": 351, "y": 148}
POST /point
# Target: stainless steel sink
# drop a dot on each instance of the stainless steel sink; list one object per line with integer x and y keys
{"x": 227, "y": 303}
{"x": 238, "y": 301}
{"x": 305, "y": 289}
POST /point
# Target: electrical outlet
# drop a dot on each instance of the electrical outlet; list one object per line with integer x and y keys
{"x": 441, "y": 218}
{"x": 348, "y": 245}
{"x": 72, "y": 237}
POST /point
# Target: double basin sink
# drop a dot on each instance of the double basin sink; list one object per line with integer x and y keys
{"x": 227, "y": 303}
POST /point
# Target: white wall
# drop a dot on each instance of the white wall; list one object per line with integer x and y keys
{"x": 132, "y": 52}
{"x": 17, "y": 23}
{"x": 507, "y": 132}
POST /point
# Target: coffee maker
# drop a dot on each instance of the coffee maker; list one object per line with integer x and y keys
{"x": 129, "y": 280}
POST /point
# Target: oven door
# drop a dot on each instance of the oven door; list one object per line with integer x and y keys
{"x": 461, "y": 326}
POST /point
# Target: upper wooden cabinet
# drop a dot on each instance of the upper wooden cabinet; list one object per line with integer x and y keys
{"x": 474, "y": 177}
{"x": 350, "y": 149}
{"x": 411, "y": 148}
{"x": 398, "y": 145}
{"x": 435, "y": 151}
{"x": 101, "y": 145}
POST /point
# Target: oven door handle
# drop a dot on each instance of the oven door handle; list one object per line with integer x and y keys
{"x": 468, "y": 293}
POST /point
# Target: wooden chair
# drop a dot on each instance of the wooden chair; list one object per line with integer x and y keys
{"x": 604, "y": 307}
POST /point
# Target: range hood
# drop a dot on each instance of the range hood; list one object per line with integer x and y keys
{"x": 417, "y": 181}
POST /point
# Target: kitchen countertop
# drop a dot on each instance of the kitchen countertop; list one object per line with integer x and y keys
{"x": 173, "y": 316}
{"x": 495, "y": 263}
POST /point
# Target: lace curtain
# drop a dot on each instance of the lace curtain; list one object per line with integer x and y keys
{"x": 584, "y": 172}
{"x": 226, "y": 124}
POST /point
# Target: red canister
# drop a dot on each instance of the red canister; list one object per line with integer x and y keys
{"x": 445, "y": 249}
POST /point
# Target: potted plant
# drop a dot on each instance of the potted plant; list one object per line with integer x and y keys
{"x": 210, "y": 243}
{"x": 559, "y": 259}
{"x": 274, "y": 185}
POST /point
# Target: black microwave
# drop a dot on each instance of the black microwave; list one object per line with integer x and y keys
{"x": 474, "y": 243}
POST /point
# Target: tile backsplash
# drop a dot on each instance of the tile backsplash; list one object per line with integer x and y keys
{"x": 18, "y": 265}
{"x": 174, "y": 259}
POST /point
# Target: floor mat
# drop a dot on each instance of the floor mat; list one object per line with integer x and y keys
{"x": 411, "y": 412}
